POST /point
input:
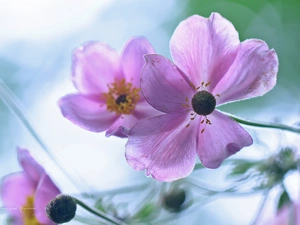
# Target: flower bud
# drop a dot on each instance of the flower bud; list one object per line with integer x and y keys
{"x": 174, "y": 199}
{"x": 61, "y": 209}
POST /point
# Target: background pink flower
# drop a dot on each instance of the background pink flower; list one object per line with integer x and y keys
{"x": 109, "y": 97}
{"x": 211, "y": 68}
{"x": 25, "y": 194}
{"x": 287, "y": 215}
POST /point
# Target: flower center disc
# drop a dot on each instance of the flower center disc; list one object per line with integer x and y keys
{"x": 203, "y": 103}
{"x": 121, "y": 97}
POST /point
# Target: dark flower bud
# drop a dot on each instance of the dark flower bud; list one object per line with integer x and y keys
{"x": 174, "y": 199}
{"x": 61, "y": 209}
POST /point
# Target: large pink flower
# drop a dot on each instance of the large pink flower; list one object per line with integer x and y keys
{"x": 109, "y": 96}
{"x": 25, "y": 194}
{"x": 211, "y": 68}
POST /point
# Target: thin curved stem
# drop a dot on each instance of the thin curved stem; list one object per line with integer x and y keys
{"x": 264, "y": 124}
{"x": 232, "y": 190}
{"x": 99, "y": 213}
{"x": 122, "y": 190}
{"x": 260, "y": 209}
{"x": 17, "y": 109}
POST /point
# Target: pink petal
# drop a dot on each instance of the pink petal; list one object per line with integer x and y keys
{"x": 288, "y": 215}
{"x": 297, "y": 213}
{"x": 94, "y": 66}
{"x": 163, "y": 146}
{"x": 15, "y": 189}
{"x": 132, "y": 58}
{"x": 163, "y": 85}
{"x": 144, "y": 110}
{"x": 87, "y": 112}
{"x": 45, "y": 192}
{"x": 121, "y": 126}
{"x": 204, "y": 48}
{"x": 220, "y": 140}
{"x": 34, "y": 170}
{"x": 252, "y": 74}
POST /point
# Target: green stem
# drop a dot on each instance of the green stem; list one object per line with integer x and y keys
{"x": 233, "y": 190}
{"x": 17, "y": 109}
{"x": 99, "y": 213}
{"x": 265, "y": 125}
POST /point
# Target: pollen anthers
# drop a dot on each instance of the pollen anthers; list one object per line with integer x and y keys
{"x": 28, "y": 212}
{"x": 203, "y": 104}
{"x": 121, "y": 97}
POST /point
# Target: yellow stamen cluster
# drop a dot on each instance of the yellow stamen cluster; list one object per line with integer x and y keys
{"x": 28, "y": 212}
{"x": 121, "y": 97}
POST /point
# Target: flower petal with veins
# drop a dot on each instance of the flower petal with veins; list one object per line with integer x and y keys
{"x": 164, "y": 146}
{"x": 230, "y": 136}
{"x": 132, "y": 59}
{"x": 204, "y": 48}
{"x": 163, "y": 85}
{"x": 211, "y": 68}
{"x": 94, "y": 66}
{"x": 87, "y": 112}
{"x": 252, "y": 74}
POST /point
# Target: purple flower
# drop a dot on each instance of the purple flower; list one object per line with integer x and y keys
{"x": 212, "y": 67}
{"x": 25, "y": 194}
{"x": 109, "y": 96}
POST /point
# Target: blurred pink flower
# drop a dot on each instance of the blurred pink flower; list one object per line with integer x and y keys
{"x": 25, "y": 194}
{"x": 287, "y": 215}
{"x": 212, "y": 67}
{"x": 109, "y": 96}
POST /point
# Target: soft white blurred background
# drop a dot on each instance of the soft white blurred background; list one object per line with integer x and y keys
{"x": 36, "y": 42}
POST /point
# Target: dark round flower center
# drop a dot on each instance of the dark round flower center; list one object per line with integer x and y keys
{"x": 121, "y": 99}
{"x": 203, "y": 103}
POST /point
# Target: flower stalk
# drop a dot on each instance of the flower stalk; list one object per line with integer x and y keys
{"x": 17, "y": 109}
{"x": 265, "y": 124}
{"x": 99, "y": 213}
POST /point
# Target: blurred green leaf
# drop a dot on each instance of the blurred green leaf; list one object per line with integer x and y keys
{"x": 148, "y": 210}
{"x": 283, "y": 200}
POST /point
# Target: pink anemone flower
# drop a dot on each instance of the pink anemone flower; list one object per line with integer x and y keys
{"x": 211, "y": 67}
{"x": 109, "y": 97}
{"x": 25, "y": 194}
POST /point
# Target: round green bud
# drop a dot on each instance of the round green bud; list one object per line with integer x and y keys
{"x": 174, "y": 200}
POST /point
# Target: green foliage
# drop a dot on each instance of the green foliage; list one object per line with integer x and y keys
{"x": 147, "y": 211}
{"x": 241, "y": 167}
{"x": 269, "y": 172}
{"x": 284, "y": 199}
